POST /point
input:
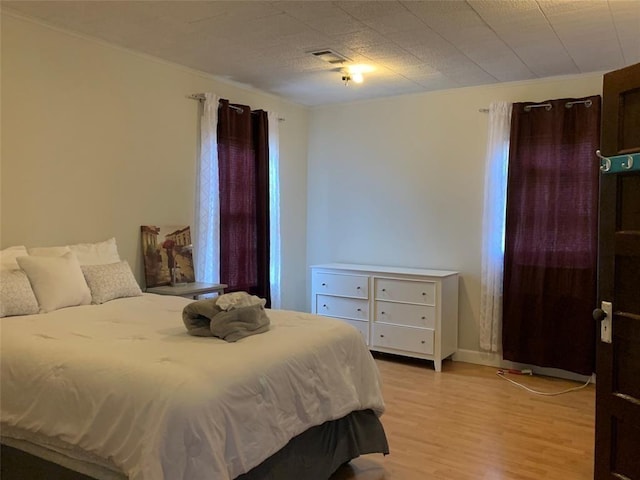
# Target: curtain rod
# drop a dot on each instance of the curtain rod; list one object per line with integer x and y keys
{"x": 200, "y": 97}
{"x": 587, "y": 103}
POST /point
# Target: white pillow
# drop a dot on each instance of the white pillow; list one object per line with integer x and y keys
{"x": 110, "y": 281}
{"x": 48, "y": 251}
{"x": 99, "y": 253}
{"x": 8, "y": 257}
{"x": 57, "y": 281}
{"x": 16, "y": 295}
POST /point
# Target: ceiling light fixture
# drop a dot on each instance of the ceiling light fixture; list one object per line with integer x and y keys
{"x": 355, "y": 73}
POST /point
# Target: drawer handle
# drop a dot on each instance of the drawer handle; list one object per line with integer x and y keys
{"x": 359, "y": 309}
{"x": 423, "y": 341}
{"x": 424, "y": 318}
{"x": 324, "y": 306}
{"x": 423, "y": 294}
{"x": 324, "y": 284}
{"x": 358, "y": 288}
{"x": 381, "y": 335}
{"x": 381, "y": 313}
{"x": 384, "y": 289}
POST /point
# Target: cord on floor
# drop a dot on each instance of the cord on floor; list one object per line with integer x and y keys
{"x": 502, "y": 373}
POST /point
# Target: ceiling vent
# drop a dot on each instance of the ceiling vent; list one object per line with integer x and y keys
{"x": 330, "y": 56}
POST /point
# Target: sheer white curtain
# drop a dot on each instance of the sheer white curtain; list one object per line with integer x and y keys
{"x": 274, "y": 209}
{"x": 493, "y": 223}
{"x": 207, "y": 229}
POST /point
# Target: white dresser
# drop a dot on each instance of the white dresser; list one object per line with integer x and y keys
{"x": 405, "y": 311}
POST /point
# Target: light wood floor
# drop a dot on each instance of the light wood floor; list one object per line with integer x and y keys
{"x": 466, "y": 423}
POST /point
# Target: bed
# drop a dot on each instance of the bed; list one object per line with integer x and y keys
{"x": 120, "y": 391}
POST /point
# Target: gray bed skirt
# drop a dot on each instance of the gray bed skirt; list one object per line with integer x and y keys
{"x": 313, "y": 455}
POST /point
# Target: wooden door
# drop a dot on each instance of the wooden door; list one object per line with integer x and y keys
{"x": 617, "y": 447}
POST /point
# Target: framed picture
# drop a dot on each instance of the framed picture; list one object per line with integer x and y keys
{"x": 167, "y": 252}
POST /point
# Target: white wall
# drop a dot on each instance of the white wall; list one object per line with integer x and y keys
{"x": 97, "y": 141}
{"x": 399, "y": 181}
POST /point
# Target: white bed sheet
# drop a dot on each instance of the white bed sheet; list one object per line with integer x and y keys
{"x": 124, "y": 381}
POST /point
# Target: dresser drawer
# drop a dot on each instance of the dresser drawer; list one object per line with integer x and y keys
{"x": 343, "y": 307}
{"x": 406, "y": 314}
{"x": 405, "y": 291}
{"x": 363, "y": 328}
{"x": 341, "y": 284}
{"x": 409, "y": 339}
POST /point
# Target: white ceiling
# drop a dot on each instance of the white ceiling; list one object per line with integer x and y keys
{"x": 415, "y": 46}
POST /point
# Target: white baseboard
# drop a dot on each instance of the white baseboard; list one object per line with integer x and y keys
{"x": 495, "y": 360}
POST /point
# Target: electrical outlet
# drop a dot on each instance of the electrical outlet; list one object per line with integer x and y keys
{"x": 606, "y": 324}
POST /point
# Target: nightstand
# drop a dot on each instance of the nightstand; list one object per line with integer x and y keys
{"x": 192, "y": 290}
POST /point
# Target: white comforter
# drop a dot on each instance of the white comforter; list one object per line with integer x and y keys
{"x": 125, "y": 382}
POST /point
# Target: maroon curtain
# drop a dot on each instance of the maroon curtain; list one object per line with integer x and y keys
{"x": 551, "y": 236}
{"x": 243, "y": 158}
{"x": 263, "y": 260}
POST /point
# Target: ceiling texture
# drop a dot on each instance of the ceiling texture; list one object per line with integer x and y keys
{"x": 413, "y": 46}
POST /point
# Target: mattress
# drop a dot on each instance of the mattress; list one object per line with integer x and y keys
{"x": 124, "y": 383}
